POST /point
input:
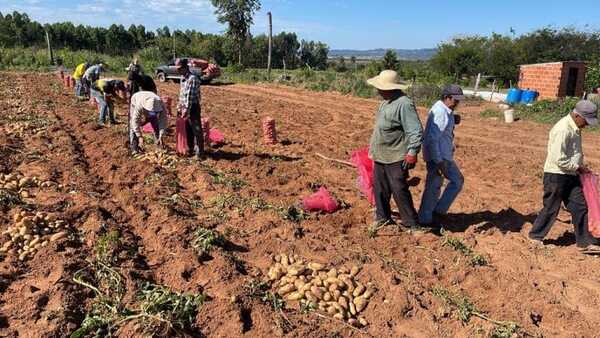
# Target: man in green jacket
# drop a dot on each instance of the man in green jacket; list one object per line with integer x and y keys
{"x": 394, "y": 146}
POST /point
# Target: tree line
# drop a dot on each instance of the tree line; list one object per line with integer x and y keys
{"x": 18, "y": 30}
{"x": 500, "y": 55}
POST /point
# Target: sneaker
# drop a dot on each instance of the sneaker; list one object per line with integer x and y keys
{"x": 590, "y": 249}
{"x": 535, "y": 241}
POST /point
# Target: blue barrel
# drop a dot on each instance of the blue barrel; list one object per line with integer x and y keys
{"x": 528, "y": 96}
{"x": 514, "y": 96}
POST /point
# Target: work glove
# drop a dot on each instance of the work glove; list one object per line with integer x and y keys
{"x": 442, "y": 168}
{"x": 410, "y": 161}
{"x": 457, "y": 119}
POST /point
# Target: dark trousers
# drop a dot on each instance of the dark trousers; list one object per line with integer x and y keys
{"x": 565, "y": 189}
{"x": 193, "y": 128}
{"x": 391, "y": 180}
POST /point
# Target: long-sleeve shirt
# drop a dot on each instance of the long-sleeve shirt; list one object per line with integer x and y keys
{"x": 438, "y": 141}
{"x": 106, "y": 86}
{"x": 93, "y": 73}
{"x": 565, "y": 154}
{"x": 189, "y": 93}
{"x": 79, "y": 71}
{"x": 397, "y": 132}
{"x": 143, "y": 104}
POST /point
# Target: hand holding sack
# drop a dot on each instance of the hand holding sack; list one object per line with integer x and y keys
{"x": 410, "y": 161}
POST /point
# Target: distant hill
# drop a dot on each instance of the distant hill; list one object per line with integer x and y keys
{"x": 403, "y": 54}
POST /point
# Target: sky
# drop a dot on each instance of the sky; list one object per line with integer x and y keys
{"x": 350, "y": 24}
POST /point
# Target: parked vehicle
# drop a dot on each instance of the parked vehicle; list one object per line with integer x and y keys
{"x": 203, "y": 69}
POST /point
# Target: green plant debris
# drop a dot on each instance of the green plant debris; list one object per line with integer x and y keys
{"x": 228, "y": 180}
{"x": 489, "y": 113}
{"x": 163, "y": 312}
{"x": 465, "y": 310}
{"x": 457, "y": 244}
{"x": 205, "y": 240}
{"x": 9, "y": 199}
{"x": 108, "y": 247}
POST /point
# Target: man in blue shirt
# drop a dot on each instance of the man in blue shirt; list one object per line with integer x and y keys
{"x": 438, "y": 152}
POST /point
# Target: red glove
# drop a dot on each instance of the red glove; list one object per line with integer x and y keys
{"x": 409, "y": 162}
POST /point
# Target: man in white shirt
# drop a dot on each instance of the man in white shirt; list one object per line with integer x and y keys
{"x": 561, "y": 182}
{"x": 146, "y": 107}
{"x": 438, "y": 152}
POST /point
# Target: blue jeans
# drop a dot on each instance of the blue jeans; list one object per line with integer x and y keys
{"x": 431, "y": 201}
{"x": 104, "y": 108}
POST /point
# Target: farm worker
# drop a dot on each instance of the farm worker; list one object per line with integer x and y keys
{"x": 395, "y": 143}
{"x": 91, "y": 75}
{"x": 438, "y": 153}
{"x": 104, "y": 90}
{"x": 77, "y": 75}
{"x": 146, "y": 107}
{"x": 189, "y": 108}
{"x": 561, "y": 182}
{"x": 134, "y": 74}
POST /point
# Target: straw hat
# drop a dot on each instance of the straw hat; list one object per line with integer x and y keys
{"x": 387, "y": 80}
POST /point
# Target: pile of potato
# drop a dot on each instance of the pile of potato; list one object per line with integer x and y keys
{"x": 161, "y": 158}
{"x": 19, "y": 183}
{"x": 336, "y": 292}
{"x": 31, "y": 232}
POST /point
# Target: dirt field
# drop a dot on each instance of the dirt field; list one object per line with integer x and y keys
{"x": 99, "y": 189}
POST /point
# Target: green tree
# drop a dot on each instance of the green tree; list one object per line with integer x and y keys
{"x": 461, "y": 56}
{"x": 238, "y": 14}
{"x": 390, "y": 60}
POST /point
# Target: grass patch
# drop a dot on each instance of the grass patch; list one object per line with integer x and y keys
{"x": 548, "y": 111}
{"x": 9, "y": 199}
{"x": 458, "y": 245}
{"x": 490, "y": 113}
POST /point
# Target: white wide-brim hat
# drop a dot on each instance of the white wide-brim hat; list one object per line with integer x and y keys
{"x": 387, "y": 80}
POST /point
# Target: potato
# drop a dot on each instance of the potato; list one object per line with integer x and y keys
{"x": 317, "y": 281}
{"x": 338, "y": 316}
{"x": 361, "y": 303}
{"x": 317, "y": 292}
{"x": 359, "y": 290}
{"x": 333, "y": 287}
{"x": 353, "y": 322}
{"x": 327, "y": 296}
{"x": 295, "y": 271}
{"x": 369, "y": 293}
{"x": 57, "y": 236}
{"x": 333, "y": 280}
{"x": 23, "y": 256}
{"x": 44, "y": 243}
{"x": 322, "y": 307}
{"x": 336, "y": 295}
{"x": 352, "y": 308}
{"x": 331, "y": 310}
{"x": 363, "y": 321}
{"x": 24, "y": 194}
{"x": 315, "y": 266}
{"x": 310, "y": 296}
{"x": 295, "y": 296}
{"x": 343, "y": 301}
{"x": 287, "y": 288}
{"x": 284, "y": 260}
{"x": 299, "y": 283}
{"x": 332, "y": 273}
{"x": 291, "y": 259}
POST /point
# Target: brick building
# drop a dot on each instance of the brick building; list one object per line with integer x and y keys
{"x": 553, "y": 79}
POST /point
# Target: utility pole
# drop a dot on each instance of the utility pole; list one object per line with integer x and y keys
{"x": 270, "y": 45}
{"x": 174, "y": 55}
{"x": 50, "y": 55}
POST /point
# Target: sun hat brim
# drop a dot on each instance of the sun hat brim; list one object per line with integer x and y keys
{"x": 592, "y": 122}
{"x": 385, "y": 85}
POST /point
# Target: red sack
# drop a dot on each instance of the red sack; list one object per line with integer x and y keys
{"x": 320, "y": 201}
{"x": 181, "y": 136}
{"x": 589, "y": 182}
{"x": 216, "y": 136}
{"x": 148, "y": 128}
{"x": 364, "y": 165}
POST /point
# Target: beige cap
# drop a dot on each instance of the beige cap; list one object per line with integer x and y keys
{"x": 387, "y": 80}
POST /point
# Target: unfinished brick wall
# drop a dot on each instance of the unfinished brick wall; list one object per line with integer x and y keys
{"x": 551, "y": 79}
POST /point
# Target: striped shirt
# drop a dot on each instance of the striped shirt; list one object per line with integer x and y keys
{"x": 189, "y": 94}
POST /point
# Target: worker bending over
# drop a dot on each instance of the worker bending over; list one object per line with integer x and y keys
{"x": 146, "y": 107}
{"x": 80, "y": 91}
{"x": 105, "y": 91}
